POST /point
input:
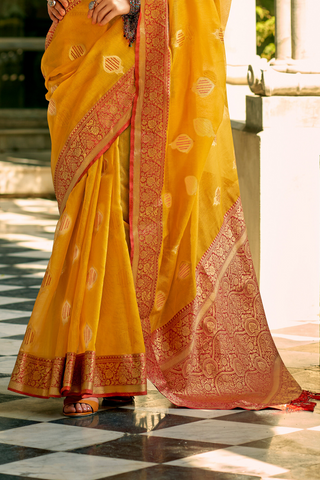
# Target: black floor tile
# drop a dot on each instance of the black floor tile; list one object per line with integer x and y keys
{"x": 12, "y": 270}
{"x": 4, "y": 476}
{"x": 20, "y": 280}
{"x": 21, "y": 292}
{"x": 15, "y": 337}
{"x": 22, "y": 306}
{"x": 10, "y": 398}
{"x": 168, "y": 472}
{"x": 4, "y": 250}
{"x": 7, "y": 260}
{"x": 148, "y": 449}
{"x": 17, "y": 321}
{"x": 9, "y": 423}
{"x": 128, "y": 421}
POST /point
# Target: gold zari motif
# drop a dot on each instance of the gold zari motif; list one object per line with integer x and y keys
{"x": 77, "y": 374}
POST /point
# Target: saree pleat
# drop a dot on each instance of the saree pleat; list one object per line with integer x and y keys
{"x": 151, "y": 272}
{"x": 85, "y": 327}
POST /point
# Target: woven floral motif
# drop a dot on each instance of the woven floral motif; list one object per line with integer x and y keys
{"x": 154, "y": 119}
{"x": 78, "y": 373}
{"x": 220, "y": 346}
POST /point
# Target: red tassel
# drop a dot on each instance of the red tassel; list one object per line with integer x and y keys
{"x": 303, "y": 402}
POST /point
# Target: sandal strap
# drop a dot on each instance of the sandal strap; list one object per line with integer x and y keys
{"x": 94, "y": 404}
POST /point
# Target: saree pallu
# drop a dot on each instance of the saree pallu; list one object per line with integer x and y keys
{"x": 151, "y": 273}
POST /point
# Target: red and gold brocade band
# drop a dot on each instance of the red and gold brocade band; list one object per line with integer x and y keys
{"x": 151, "y": 273}
{"x": 80, "y": 374}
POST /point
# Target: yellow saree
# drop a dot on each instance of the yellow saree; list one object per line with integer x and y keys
{"x": 178, "y": 302}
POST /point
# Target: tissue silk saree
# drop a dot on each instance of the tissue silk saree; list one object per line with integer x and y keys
{"x": 151, "y": 274}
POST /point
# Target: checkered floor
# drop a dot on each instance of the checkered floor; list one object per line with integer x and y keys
{"x": 149, "y": 440}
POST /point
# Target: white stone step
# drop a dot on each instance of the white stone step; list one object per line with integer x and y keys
{"x": 25, "y": 176}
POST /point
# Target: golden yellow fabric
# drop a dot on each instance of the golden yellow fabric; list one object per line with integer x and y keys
{"x": 189, "y": 295}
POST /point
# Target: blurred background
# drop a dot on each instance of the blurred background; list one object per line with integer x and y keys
{"x": 23, "y": 25}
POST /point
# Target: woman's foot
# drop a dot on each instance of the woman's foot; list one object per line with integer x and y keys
{"x": 78, "y": 407}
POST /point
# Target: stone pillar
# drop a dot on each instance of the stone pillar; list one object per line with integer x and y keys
{"x": 240, "y": 43}
{"x": 280, "y": 146}
{"x": 283, "y": 29}
{"x": 305, "y": 53}
{"x": 240, "y": 40}
{"x": 305, "y": 34}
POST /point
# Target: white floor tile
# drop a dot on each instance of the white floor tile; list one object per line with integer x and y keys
{"x": 9, "y": 346}
{"x": 5, "y": 288}
{"x": 59, "y": 438}
{"x": 4, "y": 387}
{"x": 6, "y": 277}
{"x": 9, "y": 329}
{"x": 40, "y": 265}
{"x": 8, "y": 300}
{"x": 297, "y": 338}
{"x": 32, "y": 254}
{"x": 294, "y": 359}
{"x": 7, "y": 364}
{"x": 43, "y": 244}
{"x": 221, "y": 431}
{"x": 291, "y": 419}
{"x": 18, "y": 238}
{"x": 11, "y": 314}
{"x": 72, "y": 466}
{"x": 234, "y": 460}
{"x": 150, "y": 386}
{"x": 30, "y": 408}
{"x": 185, "y": 412}
{"x": 34, "y": 275}
{"x": 44, "y": 205}
{"x": 10, "y": 218}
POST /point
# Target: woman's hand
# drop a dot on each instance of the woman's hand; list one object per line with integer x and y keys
{"x": 106, "y": 10}
{"x": 57, "y": 12}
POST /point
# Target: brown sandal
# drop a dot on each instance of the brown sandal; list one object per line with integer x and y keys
{"x": 94, "y": 404}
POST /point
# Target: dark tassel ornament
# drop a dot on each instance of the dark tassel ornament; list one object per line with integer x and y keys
{"x": 130, "y": 21}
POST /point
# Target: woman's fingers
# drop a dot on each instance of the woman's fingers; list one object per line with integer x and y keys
{"x": 60, "y": 9}
{"x": 99, "y": 13}
{"x": 57, "y": 12}
{"x": 109, "y": 9}
{"x": 107, "y": 18}
{"x": 52, "y": 17}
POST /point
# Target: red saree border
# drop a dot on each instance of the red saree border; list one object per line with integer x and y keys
{"x": 218, "y": 352}
{"x": 99, "y": 122}
{"x": 212, "y": 264}
{"x": 148, "y": 149}
{"x": 86, "y": 373}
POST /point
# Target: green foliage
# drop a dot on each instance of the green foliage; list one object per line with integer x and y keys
{"x": 265, "y": 28}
